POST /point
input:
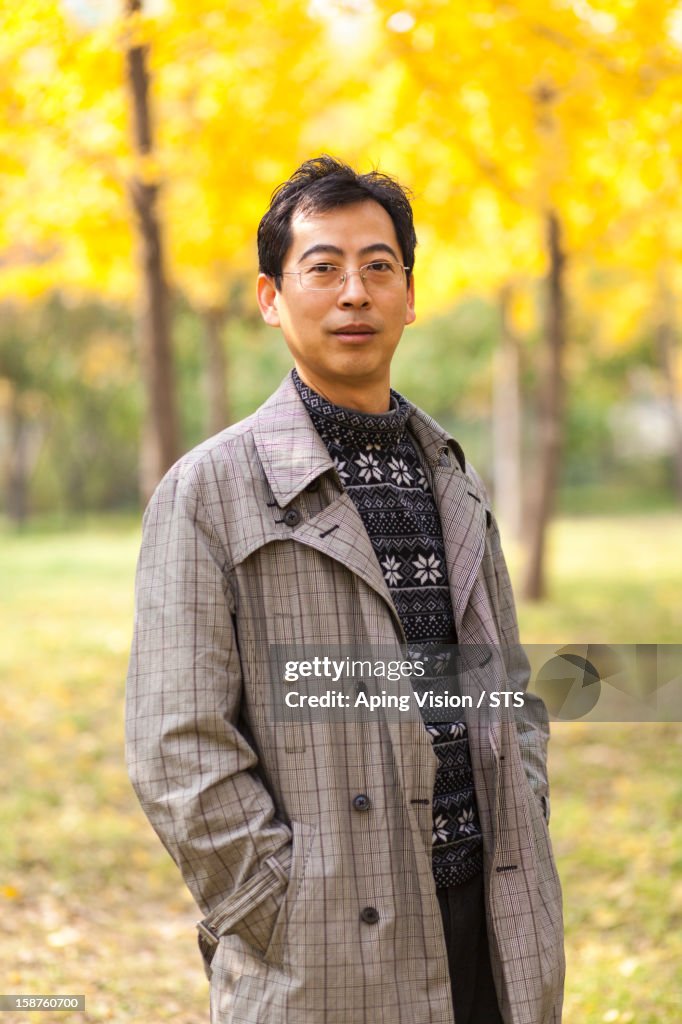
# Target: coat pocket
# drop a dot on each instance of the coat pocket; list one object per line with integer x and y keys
{"x": 303, "y": 836}
{"x": 254, "y": 923}
{"x": 250, "y": 911}
{"x": 549, "y": 885}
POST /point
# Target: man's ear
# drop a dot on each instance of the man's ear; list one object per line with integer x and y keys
{"x": 410, "y": 315}
{"x": 268, "y": 298}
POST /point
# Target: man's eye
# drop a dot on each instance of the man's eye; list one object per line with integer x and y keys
{"x": 380, "y": 266}
{"x": 322, "y": 269}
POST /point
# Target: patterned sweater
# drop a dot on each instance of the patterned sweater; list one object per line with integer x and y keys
{"x": 381, "y": 470}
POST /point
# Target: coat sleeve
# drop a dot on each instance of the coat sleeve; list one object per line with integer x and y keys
{"x": 191, "y": 767}
{"x": 532, "y": 720}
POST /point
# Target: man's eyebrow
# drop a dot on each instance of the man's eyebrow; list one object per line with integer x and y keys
{"x": 379, "y": 247}
{"x": 322, "y": 247}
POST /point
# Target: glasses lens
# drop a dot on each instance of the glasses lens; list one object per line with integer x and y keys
{"x": 322, "y": 275}
{"x": 382, "y": 273}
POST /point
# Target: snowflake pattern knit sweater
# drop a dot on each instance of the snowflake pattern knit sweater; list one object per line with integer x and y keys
{"x": 380, "y": 468}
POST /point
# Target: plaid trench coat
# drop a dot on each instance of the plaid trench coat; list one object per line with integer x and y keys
{"x": 315, "y": 910}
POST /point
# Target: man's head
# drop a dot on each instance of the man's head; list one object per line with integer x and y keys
{"x": 336, "y": 251}
{"x": 323, "y": 184}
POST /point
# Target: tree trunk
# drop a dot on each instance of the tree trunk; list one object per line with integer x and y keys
{"x": 551, "y": 416}
{"x": 215, "y": 366}
{"x": 665, "y": 333}
{"x": 25, "y": 437}
{"x": 17, "y": 470}
{"x": 160, "y": 444}
{"x": 507, "y": 481}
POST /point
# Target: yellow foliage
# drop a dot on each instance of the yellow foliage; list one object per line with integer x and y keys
{"x": 492, "y": 113}
{"x": 521, "y": 311}
{"x": 103, "y": 362}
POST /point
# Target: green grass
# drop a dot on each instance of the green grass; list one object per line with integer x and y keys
{"x": 612, "y": 580}
{"x": 90, "y": 901}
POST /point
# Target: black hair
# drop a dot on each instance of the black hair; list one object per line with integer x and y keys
{"x": 325, "y": 183}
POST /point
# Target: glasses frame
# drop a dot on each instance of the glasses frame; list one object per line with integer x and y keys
{"x": 345, "y": 274}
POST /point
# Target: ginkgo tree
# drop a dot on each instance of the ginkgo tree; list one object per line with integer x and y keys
{"x": 526, "y": 101}
{"x": 184, "y": 117}
{"x": 236, "y": 89}
{"x": 61, "y": 201}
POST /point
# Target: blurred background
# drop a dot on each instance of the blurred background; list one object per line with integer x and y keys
{"x": 139, "y": 146}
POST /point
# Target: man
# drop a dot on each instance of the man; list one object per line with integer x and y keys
{"x": 390, "y": 869}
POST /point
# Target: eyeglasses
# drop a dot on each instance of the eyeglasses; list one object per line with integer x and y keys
{"x": 326, "y": 276}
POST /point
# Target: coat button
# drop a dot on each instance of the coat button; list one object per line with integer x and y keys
{"x": 370, "y": 915}
{"x": 292, "y": 517}
{"x": 361, "y": 802}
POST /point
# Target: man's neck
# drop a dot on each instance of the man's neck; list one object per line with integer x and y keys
{"x": 372, "y": 398}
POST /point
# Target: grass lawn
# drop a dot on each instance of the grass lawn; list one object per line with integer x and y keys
{"x": 92, "y": 904}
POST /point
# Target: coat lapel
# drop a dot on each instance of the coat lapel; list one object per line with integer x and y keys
{"x": 463, "y": 522}
{"x": 462, "y": 508}
{"x": 338, "y": 531}
{"x": 293, "y": 455}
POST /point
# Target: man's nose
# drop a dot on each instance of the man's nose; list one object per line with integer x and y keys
{"x": 353, "y": 291}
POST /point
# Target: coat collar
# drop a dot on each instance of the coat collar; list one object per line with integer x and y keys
{"x": 291, "y": 451}
{"x": 293, "y": 454}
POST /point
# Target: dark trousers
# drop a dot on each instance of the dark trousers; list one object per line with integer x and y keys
{"x": 473, "y": 990}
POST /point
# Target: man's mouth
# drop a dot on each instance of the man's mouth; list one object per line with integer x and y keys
{"x": 355, "y": 330}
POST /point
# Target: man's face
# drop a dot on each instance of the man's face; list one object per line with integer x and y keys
{"x": 342, "y": 339}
